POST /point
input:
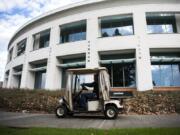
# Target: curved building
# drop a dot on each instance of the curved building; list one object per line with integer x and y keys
{"x": 137, "y": 40}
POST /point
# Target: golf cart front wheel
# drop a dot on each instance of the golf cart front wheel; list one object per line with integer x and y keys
{"x": 61, "y": 111}
{"x": 111, "y": 112}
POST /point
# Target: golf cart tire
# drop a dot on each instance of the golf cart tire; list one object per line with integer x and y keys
{"x": 111, "y": 112}
{"x": 61, "y": 111}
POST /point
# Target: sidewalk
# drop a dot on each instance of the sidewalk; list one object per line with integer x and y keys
{"x": 123, "y": 121}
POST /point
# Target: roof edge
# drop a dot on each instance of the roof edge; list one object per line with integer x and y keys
{"x": 51, "y": 12}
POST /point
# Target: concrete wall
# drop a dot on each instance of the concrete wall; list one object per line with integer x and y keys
{"x": 93, "y": 45}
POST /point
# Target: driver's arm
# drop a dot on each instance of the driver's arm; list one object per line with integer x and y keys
{"x": 88, "y": 84}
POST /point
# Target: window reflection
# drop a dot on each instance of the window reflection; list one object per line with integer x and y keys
{"x": 10, "y": 55}
{"x": 162, "y": 22}
{"x": 73, "y": 32}
{"x": 41, "y": 39}
{"x": 21, "y": 46}
{"x": 40, "y": 79}
{"x": 160, "y": 29}
{"x": 166, "y": 74}
{"x": 176, "y": 74}
{"x": 122, "y": 75}
{"x": 121, "y": 25}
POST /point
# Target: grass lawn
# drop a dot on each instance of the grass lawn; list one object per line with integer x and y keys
{"x": 55, "y": 131}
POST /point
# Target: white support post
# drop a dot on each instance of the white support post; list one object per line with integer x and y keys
{"x": 143, "y": 63}
{"x": 27, "y": 81}
{"x": 10, "y": 79}
{"x": 53, "y": 73}
{"x": 92, "y": 58}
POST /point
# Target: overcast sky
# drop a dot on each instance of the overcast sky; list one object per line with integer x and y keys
{"x": 14, "y": 13}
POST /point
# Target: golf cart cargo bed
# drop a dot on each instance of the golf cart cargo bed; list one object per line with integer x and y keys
{"x": 121, "y": 93}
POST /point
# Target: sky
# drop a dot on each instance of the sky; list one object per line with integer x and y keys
{"x": 14, "y": 13}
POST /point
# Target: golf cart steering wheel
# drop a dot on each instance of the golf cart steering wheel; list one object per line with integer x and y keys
{"x": 83, "y": 89}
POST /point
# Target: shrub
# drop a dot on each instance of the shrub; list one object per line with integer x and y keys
{"x": 30, "y": 100}
{"x": 149, "y": 102}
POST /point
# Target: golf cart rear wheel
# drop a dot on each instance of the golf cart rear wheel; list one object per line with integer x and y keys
{"x": 111, "y": 112}
{"x": 61, "y": 111}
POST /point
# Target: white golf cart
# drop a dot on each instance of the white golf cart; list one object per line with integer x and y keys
{"x": 70, "y": 103}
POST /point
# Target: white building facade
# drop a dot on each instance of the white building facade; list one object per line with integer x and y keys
{"x": 137, "y": 40}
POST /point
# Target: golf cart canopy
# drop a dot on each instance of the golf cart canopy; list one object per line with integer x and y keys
{"x": 86, "y": 70}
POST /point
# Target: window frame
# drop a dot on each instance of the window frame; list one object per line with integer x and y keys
{"x": 162, "y": 22}
{"x": 10, "y": 54}
{"x": 40, "y": 38}
{"x": 162, "y": 64}
{"x": 67, "y": 25}
{"x": 129, "y": 16}
{"x": 19, "y": 44}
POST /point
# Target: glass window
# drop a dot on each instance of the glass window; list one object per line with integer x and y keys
{"x": 122, "y": 75}
{"x": 17, "y": 77}
{"x": 40, "y": 79}
{"x": 166, "y": 74}
{"x": 6, "y": 78}
{"x": 162, "y": 23}
{"x": 41, "y": 39}
{"x": 176, "y": 74}
{"x": 164, "y": 55}
{"x": 44, "y": 39}
{"x": 21, "y": 46}
{"x": 19, "y": 81}
{"x": 73, "y": 32}
{"x": 10, "y": 55}
{"x": 165, "y": 68}
{"x": 121, "y": 25}
{"x": 156, "y": 75}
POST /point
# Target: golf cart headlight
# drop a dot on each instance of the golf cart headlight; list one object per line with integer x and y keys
{"x": 61, "y": 101}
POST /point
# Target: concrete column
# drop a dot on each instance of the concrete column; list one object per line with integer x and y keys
{"x": 178, "y": 22}
{"x": 5, "y": 81}
{"x": 92, "y": 58}
{"x": 10, "y": 78}
{"x": 53, "y": 73}
{"x": 25, "y": 80}
{"x": 143, "y": 63}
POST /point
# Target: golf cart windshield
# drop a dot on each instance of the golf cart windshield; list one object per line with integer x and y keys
{"x": 79, "y": 79}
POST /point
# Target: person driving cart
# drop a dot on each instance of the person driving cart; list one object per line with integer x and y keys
{"x": 94, "y": 95}
{"x": 89, "y": 88}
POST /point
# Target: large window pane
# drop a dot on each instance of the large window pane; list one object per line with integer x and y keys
{"x": 165, "y": 55}
{"x": 44, "y": 39}
{"x": 129, "y": 75}
{"x": 166, "y": 75}
{"x": 41, "y": 39}
{"x": 73, "y": 32}
{"x": 122, "y": 75}
{"x": 118, "y": 80}
{"x": 121, "y": 25}
{"x": 163, "y": 22}
{"x": 165, "y": 68}
{"x": 10, "y": 55}
{"x": 21, "y": 46}
{"x": 176, "y": 74}
{"x": 156, "y": 75}
{"x": 40, "y": 78}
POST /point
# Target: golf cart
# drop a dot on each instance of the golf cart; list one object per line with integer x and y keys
{"x": 98, "y": 101}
